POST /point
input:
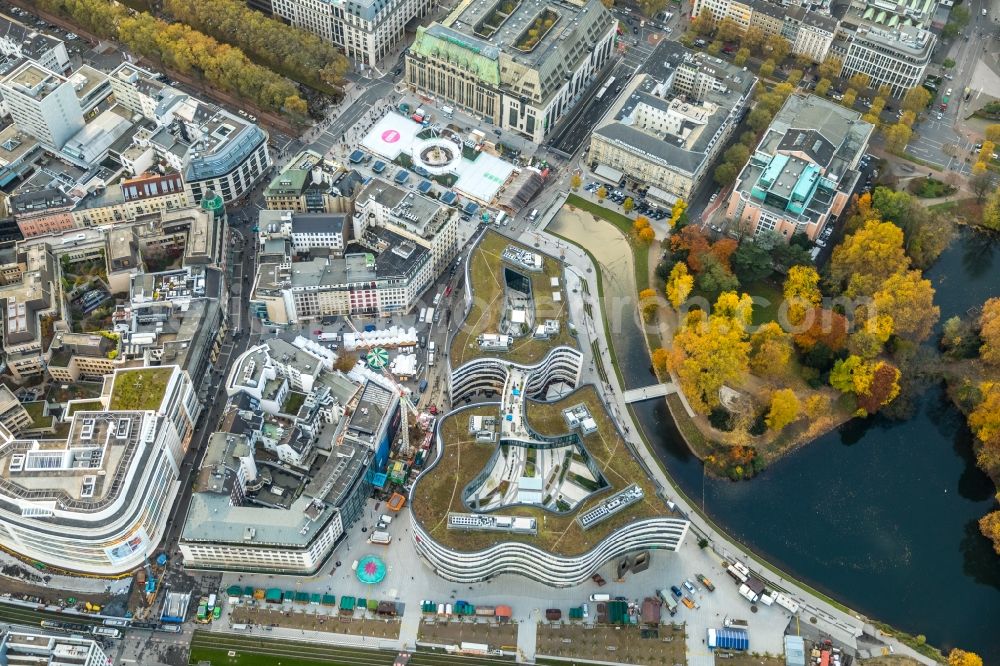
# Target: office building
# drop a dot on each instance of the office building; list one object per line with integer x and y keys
{"x": 213, "y": 150}
{"x": 13, "y": 415}
{"x": 493, "y": 526}
{"x": 424, "y": 221}
{"x": 31, "y": 302}
{"x": 666, "y": 132}
{"x": 893, "y": 54}
{"x": 387, "y": 278}
{"x": 24, "y": 647}
{"x": 320, "y": 234}
{"x": 42, "y": 103}
{"x": 520, "y": 66}
{"x": 252, "y": 516}
{"x": 367, "y": 30}
{"x": 97, "y": 502}
{"x": 802, "y": 174}
{"x": 310, "y": 184}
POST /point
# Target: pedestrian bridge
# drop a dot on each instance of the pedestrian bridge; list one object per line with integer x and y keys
{"x": 649, "y": 392}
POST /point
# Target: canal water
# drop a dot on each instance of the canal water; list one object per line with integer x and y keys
{"x": 879, "y": 514}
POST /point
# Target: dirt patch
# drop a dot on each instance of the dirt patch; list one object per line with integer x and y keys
{"x": 317, "y": 618}
{"x": 453, "y": 633}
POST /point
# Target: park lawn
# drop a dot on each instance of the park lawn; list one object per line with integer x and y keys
{"x": 767, "y": 301}
{"x": 640, "y": 251}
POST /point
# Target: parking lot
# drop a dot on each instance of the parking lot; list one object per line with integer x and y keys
{"x": 627, "y": 645}
{"x": 453, "y": 633}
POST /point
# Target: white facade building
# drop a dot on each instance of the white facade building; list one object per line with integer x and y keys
{"x": 29, "y": 647}
{"x": 20, "y": 41}
{"x": 367, "y": 30}
{"x": 42, "y": 103}
{"x": 98, "y": 503}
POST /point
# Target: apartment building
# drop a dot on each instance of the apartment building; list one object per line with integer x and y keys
{"x": 520, "y": 66}
{"x": 97, "y": 503}
{"x": 669, "y": 126}
{"x": 801, "y": 175}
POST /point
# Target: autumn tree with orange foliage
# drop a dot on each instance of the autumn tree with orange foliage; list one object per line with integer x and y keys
{"x": 989, "y": 525}
{"x": 984, "y": 420}
{"x": 824, "y": 326}
{"x": 772, "y": 351}
{"x": 723, "y": 249}
{"x": 711, "y": 350}
{"x": 647, "y": 235}
{"x": 693, "y": 243}
{"x": 882, "y": 389}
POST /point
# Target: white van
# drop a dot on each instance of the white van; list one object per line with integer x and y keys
{"x": 447, "y": 111}
{"x": 600, "y": 597}
{"x": 430, "y": 347}
{"x": 500, "y": 219}
{"x": 533, "y": 215}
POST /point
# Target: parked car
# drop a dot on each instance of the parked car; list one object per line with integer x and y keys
{"x": 689, "y": 586}
{"x": 677, "y": 591}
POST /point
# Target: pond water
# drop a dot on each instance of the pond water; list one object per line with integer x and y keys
{"x": 879, "y": 514}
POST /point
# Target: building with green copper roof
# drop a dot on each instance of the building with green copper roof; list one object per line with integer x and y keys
{"x": 518, "y": 64}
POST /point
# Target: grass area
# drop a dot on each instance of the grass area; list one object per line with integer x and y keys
{"x": 486, "y": 278}
{"x": 920, "y": 646}
{"x": 251, "y": 650}
{"x": 36, "y": 412}
{"x": 640, "y": 253}
{"x": 440, "y": 491}
{"x": 85, "y": 406}
{"x": 930, "y": 188}
{"x": 139, "y": 390}
{"x": 293, "y": 402}
{"x": 767, "y": 301}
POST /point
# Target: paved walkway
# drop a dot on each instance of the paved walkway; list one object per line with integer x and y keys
{"x": 843, "y": 626}
{"x": 649, "y": 392}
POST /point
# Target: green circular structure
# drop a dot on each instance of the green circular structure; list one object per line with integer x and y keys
{"x": 377, "y": 358}
{"x": 371, "y": 570}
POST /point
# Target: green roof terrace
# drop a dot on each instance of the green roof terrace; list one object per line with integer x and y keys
{"x": 140, "y": 389}
{"x": 486, "y": 278}
{"x": 439, "y": 491}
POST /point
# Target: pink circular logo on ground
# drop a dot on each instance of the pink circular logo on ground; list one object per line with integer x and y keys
{"x": 390, "y": 136}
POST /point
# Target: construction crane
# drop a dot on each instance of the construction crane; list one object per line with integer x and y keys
{"x": 404, "y": 399}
